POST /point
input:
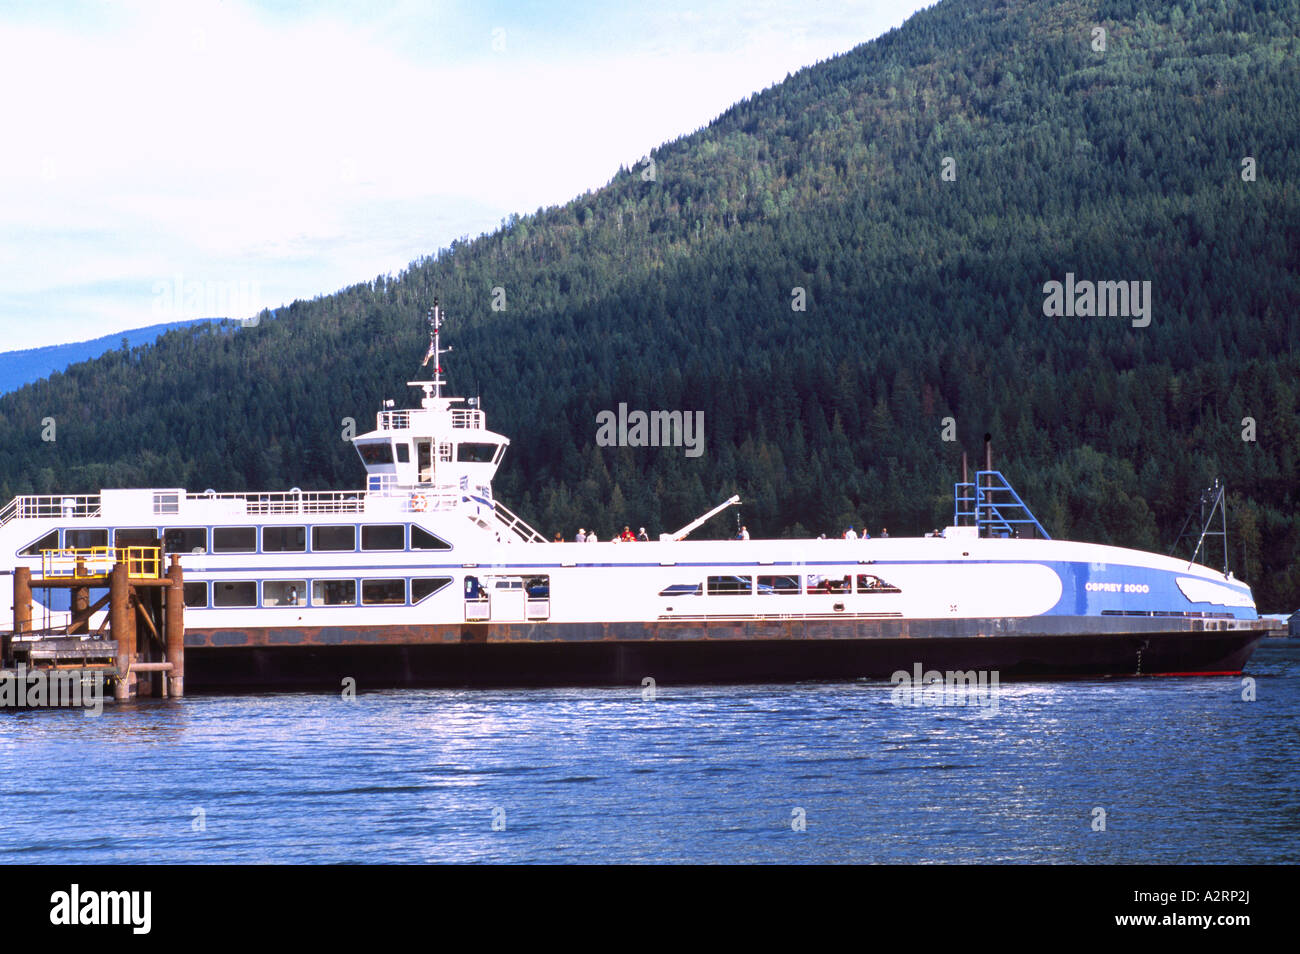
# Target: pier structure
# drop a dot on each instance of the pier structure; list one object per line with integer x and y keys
{"x": 139, "y": 644}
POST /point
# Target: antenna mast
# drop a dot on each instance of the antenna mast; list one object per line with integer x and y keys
{"x": 436, "y": 351}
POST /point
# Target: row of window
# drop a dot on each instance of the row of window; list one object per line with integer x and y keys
{"x": 783, "y": 585}
{"x": 394, "y": 592}
{"x": 274, "y": 539}
{"x": 470, "y": 452}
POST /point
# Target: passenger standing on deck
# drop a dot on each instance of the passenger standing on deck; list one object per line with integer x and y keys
{"x": 582, "y": 536}
{"x": 627, "y": 536}
{"x": 865, "y": 534}
{"x": 744, "y": 534}
{"x": 884, "y": 533}
{"x": 850, "y": 535}
{"x": 643, "y": 536}
{"x": 559, "y": 537}
{"x": 591, "y": 537}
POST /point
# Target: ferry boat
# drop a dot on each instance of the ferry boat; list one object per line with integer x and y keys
{"x": 425, "y": 578}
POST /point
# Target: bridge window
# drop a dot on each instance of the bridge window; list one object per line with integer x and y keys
{"x": 424, "y": 587}
{"x": 781, "y": 585}
{"x": 196, "y": 595}
{"x": 681, "y": 589}
{"x": 166, "y": 503}
{"x": 84, "y": 539}
{"x": 185, "y": 539}
{"x": 383, "y": 537}
{"x": 374, "y": 592}
{"x": 333, "y": 538}
{"x": 48, "y": 542}
{"x": 284, "y": 593}
{"x": 403, "y": 453}
{"x": 376, "y": 452}
{"x": 234, "y": 593}
{"x": 422, "y": 539}
{"x": 234, "y": 539}
{"x": 284, "y": 539}
{"x": 730, "y": 585}
{"x": 334, "y": 592}
{"x": 474, "y": 452}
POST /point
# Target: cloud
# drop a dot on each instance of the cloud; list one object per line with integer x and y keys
{"x": 232, "y": 142}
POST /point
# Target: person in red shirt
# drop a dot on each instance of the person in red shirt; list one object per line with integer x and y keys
{"x": 627, "y": 536}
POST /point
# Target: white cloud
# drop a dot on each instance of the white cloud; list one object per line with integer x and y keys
{"x": 226, "y": 143}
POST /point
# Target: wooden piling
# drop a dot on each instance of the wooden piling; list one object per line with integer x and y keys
{"x": 174, "y": 627}
{"x": 119, "y": 615}
{"x": 22, "y": 599}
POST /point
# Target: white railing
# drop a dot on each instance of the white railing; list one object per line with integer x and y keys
{"x": 394, "y": 420}
{"x": 36, "y": 507}
{"x": 467, "y": 418}
{"x": 291, "y": 501}
{"x": 515, "y": 524}
{"x": 401, "y": 420}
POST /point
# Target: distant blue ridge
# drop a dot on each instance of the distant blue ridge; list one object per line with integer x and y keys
{"x": 23, "y": 367}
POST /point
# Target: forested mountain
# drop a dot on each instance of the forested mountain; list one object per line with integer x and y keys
{"x": 674, "y": 288}
{"x": 31, "y": 364}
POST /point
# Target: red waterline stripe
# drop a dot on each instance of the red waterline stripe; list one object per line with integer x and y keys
{"x": 1225, "y": 672}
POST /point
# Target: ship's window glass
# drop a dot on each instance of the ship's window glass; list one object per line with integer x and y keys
{"x": 234, "y": 539}
{"x": 284, "y": 593}
{"x": 383, "y": 591}
{"x": 474, "y": 452}
{"x": 166, "y": 503}
{"x": 48, "y": 542}
{"x": 422, "y": 539}
{"x": 234, "y": 593}
{"x": 870, "y": 583}
{"x": 196, "y": 595}
{"x": 383, "y": 536}
{"x": 333, "y": 538}
{"x": 185, "y": 539}
{"x": 781, "y": 585}
{"x": 284, "y": 539}
{"x": 334, "y": 592}
{"x": 403, "y": 453}
{"x": 681, "y": 589}
{"x": 82, "y": 539}
{"x": 827, "y": 584}
{"x": 730, "y": 585}
{"x": 424, "y": 587}
{"x": 376, "y": 452}
{"x": 539, "y": 587}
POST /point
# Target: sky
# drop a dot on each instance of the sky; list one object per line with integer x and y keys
{"x": 164, "y": 161}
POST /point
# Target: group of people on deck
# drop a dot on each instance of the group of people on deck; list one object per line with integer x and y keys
{"x": 851, "y": 534}
{"x": 590, "y": 536}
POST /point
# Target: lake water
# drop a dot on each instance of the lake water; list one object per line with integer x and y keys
{"x": 1185, "y": 770}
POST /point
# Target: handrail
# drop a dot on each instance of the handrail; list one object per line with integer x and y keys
{"x": 992, "y": 505}
{"x": 516, "y": 524}
{"x": 89, "y": 562}
{"x": 38, "y": 506}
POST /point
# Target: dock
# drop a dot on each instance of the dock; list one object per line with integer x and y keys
{"x": 138, "y": 646}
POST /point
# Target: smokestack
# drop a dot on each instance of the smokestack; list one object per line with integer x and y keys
{"x": 988, "y": 451}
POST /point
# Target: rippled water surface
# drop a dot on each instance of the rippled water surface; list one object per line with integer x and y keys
{"x": 1185, "y": 770}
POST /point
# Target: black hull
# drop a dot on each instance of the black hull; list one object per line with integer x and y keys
{"x": 627, "y": 662}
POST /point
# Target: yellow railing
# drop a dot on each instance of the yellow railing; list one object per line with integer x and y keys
{"x": 141, "y": 562}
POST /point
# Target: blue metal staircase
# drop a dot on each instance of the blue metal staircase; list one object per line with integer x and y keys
{"x": 992, "y": 505}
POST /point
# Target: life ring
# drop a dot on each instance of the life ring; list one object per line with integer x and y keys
{"x": 418, "y": 503}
